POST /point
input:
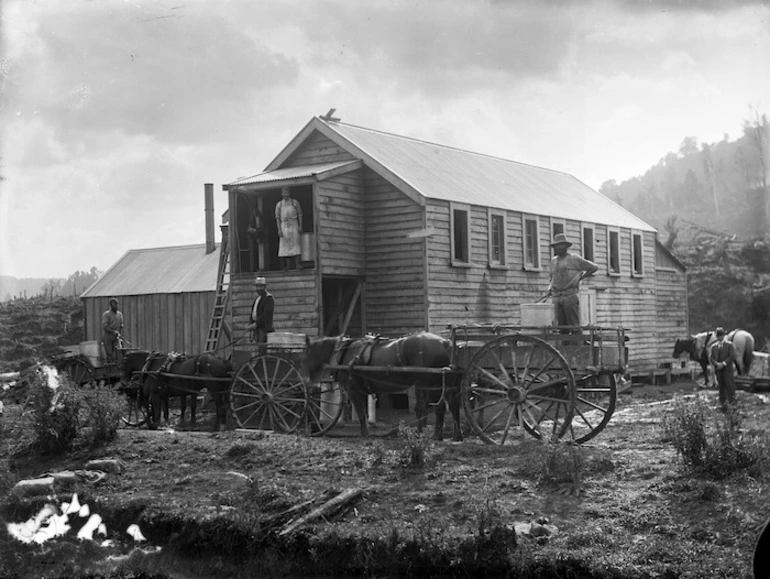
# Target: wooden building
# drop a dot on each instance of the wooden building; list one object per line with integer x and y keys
{"x": 401, "y": 235}
{"x": 166, "y": 295}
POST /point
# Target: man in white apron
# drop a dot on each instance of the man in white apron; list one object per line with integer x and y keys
{"x": 288, "y": 218}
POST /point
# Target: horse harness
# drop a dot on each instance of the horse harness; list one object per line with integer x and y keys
{"x": 361, "y": 350}
{"x": 171, "y": 358}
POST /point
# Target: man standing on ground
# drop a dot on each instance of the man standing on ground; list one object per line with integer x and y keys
{"x": 567, "y": 270}
{"x": 722, "y": 357}
{"x": 261, "y": 317}
{"x": 112, "y": 325}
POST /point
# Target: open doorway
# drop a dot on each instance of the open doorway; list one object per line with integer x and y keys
{"x": 256, "y": 232}
{"x": 343, "y": 313}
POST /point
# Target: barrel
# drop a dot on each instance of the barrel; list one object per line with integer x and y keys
{"x": 307, "y": 247}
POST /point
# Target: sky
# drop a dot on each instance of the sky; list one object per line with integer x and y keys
{"x": 114, "y": 113}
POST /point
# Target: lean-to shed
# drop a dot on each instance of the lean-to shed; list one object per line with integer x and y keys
{"x": 166, "y": 295}
{"x": 401, "y": 235}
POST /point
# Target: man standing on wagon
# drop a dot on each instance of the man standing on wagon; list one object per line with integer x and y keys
{"x": 112, "y": 325}
{"x": 261, "y": 317}
{"x": 567, "y": 270}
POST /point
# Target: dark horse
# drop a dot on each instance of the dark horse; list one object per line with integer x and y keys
{"x": 698, "y": 346}
{"x": 422, "y": 349}
{"x": 163, "y": 376}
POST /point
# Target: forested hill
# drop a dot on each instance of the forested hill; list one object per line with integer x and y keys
{"x": 718, "y": 186}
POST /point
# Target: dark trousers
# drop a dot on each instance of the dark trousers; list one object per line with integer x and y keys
{"x": 259, "y": 335}
{"x": 110, "y": 344}
{"x": 726, "y": 382}
{"x": 566, "y": 310}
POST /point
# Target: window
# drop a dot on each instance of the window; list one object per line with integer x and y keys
{"x": 637, "y": 255}
{"x": 557, "y": 226}
{"x": 613, "y": 246}
{"x": 588, "y": 242}
{"x": 531, "y": 242}
{"x": 496, "y": 222}
{"x": 461, "y": 250}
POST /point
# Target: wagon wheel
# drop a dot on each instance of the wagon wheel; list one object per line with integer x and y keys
{"x": 133, "y": 414}
{"x": 268, "y": 393}
{"x": 80, "y": 373}
{"x": 596, "y": 398}
{"x": 518, "y": 380}
{"x": 326, "y": 401}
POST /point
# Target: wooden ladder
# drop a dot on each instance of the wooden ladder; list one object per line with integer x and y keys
{"x": 218, "y": 322}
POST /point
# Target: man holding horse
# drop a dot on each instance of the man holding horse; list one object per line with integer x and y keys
{"x": 722, "y": 357}
{"x": 112, "y": 324}
{"x": 261, "y": 317}
{"x": 567, "y": 270}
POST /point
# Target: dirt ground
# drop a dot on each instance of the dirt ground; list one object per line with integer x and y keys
{"x": 631, "y": 511}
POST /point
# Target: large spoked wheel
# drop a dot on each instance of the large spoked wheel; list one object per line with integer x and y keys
{"x": 518, "y": 380}
{"x": 596, "y": 398}
{"x": 326, "y": 401}
{"x": 79, "y": 372}
{"x": 268, "y": 393}
{"x": 134, "y": 413}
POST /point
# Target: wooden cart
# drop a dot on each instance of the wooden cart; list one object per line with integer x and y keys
{"x": 551, "y": 383}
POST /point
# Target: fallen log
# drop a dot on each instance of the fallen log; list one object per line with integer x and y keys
{"x": 278, "y": 518}
{"x": 328, "y": 508}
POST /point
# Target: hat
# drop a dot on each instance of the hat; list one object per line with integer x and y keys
{"x": 720, "y": 331}
{"x": 113, "y": 300}
{"x": 260, "y": 281}
{"x": 560, "y": 238}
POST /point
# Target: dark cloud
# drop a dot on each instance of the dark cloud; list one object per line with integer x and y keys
{"x": 119, "y": 66}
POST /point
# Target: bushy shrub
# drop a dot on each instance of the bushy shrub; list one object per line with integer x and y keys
{"x": 69, "y": 415}
{"x": 54, "y": 414}
{"x": 101, "y": 411}
{"x": 416, "y": 447}
{"x": 562, "y": 462}
{"x": 685, "y": 428}
{"x": 711, "y": 442}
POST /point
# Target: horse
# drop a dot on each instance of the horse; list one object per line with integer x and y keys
{"x": 157, "y": 384}
{"x": 421, "y": 349}
{"x": 695, "y": 347}
{"x": 699, "y": 347}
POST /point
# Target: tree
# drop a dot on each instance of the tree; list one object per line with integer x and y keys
{"x": 689, "y": 146}
{"x": 711, "y": 178}
{"x": 757, "y": 131}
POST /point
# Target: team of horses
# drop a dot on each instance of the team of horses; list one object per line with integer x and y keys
{"x": 163, "y": 376}
{"x": 699, "y": 345}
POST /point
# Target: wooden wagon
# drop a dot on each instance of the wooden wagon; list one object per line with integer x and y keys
{"x": 553, "y": 382}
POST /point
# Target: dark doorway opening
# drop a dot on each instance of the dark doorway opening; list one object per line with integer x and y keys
{"x": 342, "y": 309}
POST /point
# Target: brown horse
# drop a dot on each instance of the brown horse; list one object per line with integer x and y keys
{"x": 422, "y": 349}
{"x": 164, "y": 376}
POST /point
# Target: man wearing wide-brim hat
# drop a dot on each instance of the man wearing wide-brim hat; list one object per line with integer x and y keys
{"x": 722, "y": 357}
{"x": 261, "y": 317}
{"x": 567, "y": 270}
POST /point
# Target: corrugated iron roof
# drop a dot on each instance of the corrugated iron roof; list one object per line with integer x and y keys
{"x": 439, "y": 172}
{"x": 161, "y": 270}
{"x": 289, "y": 173}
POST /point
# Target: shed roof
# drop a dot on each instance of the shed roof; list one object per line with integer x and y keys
{"x": 291, "y": 173}
{"x": 426, "y": 170}
{"x": 160, "y": 270}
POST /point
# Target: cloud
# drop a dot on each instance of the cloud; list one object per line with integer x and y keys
{"x": 117, "y": 65}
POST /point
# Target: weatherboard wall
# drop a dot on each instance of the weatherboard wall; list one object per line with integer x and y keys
{"x": 481, "y": 293}
{"x": 395, "y": 296}
{"x": 160, "y": 322}
{"x": 296, "y": 295}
